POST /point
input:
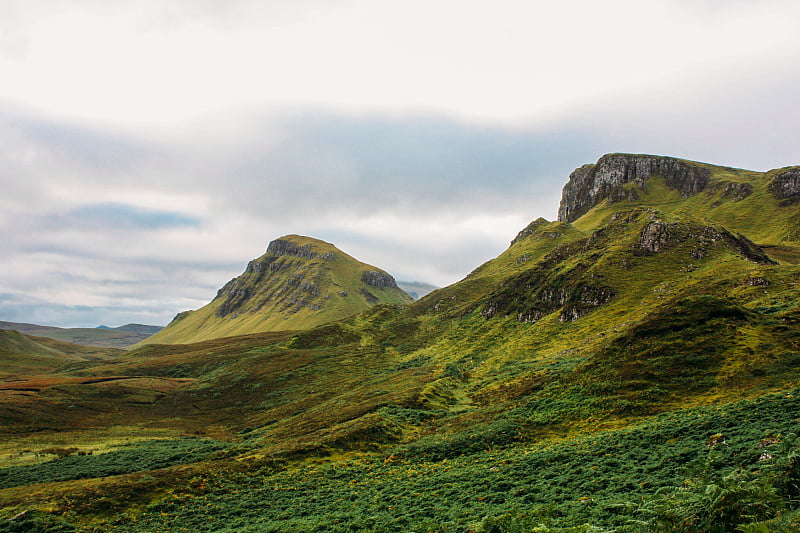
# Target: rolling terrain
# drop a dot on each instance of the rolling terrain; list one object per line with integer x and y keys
{"x": 119, "y": 337}
{"x": 633, "y": 366}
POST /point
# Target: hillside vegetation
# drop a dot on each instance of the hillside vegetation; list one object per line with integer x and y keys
{"x": 299, "y": 283}
{"x": 119, "y": 337}
{"x": 634, "y": 366}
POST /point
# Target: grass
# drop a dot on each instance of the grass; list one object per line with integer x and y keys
{"x": 137, "y": 457}
{"x": 436, "y": 485}
{"x": 301, "y": 293}
{"x": 575, "y": 381}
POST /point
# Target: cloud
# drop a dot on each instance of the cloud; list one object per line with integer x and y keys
{"x": 144, "y": 173}
{"x": 113, "y": 216}
{"x": 15, "y": 308}
{"x": 362, "y": 166}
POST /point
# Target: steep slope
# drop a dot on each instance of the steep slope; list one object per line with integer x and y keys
{"x": 299, "y": 283}
{"x": 649, "y": 338}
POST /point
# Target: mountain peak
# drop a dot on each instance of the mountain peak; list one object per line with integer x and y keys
{"x": 300, "y": 246}
{"x": 299, "y": 283}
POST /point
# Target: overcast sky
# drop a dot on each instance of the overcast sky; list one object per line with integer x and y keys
{"x": 150, "y": 148}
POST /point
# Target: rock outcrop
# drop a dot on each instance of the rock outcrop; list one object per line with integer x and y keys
{"x": 786, "y": 185}
{"x": 280, "y": 247}
{"x": 656, "y": 236}
{"x": 375, "y": 278}
{"x": 608, "y": 179}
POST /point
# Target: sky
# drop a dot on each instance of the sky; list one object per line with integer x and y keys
{"x": 150, "y": 148}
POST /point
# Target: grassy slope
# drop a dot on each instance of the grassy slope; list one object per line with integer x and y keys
{"x": 109, "y": 338}
{"x": 343, "y": 274}
{"x": 23, "y": 354}
{"x": 436, "y": 411}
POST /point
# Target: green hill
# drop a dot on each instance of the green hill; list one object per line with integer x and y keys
{"x": 22, "y": 354}
{"x": 299, "y": 283}
{"x": 120, "y": 337}
{"x": 634, "y": 366}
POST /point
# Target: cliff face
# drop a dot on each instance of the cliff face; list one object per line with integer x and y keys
{"x": 607, "y": 180}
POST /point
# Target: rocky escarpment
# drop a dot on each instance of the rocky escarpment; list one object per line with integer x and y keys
{"x": 657, "y": 236}
{"x": 785, "y": 185}
{"x": 608, "y": 179}
{"x": 281, "y": 247}
{"x": 375, "y": 278}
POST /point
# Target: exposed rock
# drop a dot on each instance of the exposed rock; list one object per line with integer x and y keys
{"x": 737, "y": 190}
{"x": 607, "y": 180}
{"x": 654, "y": 236}
{"x": 280, "y": 247}
{"x": 757, "y": 282}
{"x": 533, "y": 228}
{"x": 786, "y": 185}
{"x": 181, "y": 315}
{"x": 657, "y": 235}
{"x": 374, "y": 278}
{"x": 531, "y": 295}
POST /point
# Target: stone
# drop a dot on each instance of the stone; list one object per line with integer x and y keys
{"x": 786, "y": 185}
{"x": 374, "y": 278}
{"x": 737, "y": 190}
{"x": 654, "y": 236}
{"x": 613, "y": 175}
{"x": 280, "y": 247}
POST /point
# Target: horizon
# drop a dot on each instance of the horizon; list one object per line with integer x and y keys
{"x": 150, "y": 149}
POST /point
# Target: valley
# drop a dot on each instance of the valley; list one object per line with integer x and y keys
{"x": 632, "y": 366}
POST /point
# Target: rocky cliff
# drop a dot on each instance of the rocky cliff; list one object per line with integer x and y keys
{"x": 609, "y": 179}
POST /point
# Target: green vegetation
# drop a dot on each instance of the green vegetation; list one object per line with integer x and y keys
{"x": 637, "y": 370}
{"x": 141, "y": 456}
{"x": 120, "y": 337}
{"x": 298, "y": 284}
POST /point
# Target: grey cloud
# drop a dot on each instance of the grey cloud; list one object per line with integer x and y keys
{"x": 745, "y": 120}
{"x": 453, "y": 256}
{"x": 114, "y": 216}
{"x": 413, "y": 165}
{"x": 81, "y": 146}
{"x": 17, "y": 308}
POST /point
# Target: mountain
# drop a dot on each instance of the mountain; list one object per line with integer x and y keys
{"x": 632, "y": 366}
{"x": 299, "y": 283}
{"x": 120, "y": 337}
{"x": 135, "y": 328}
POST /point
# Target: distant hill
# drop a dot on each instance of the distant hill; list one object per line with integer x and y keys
{"x": 104, "y": 336}
{"x": 21, "y": 353}
{"x": 299, "y": 283}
